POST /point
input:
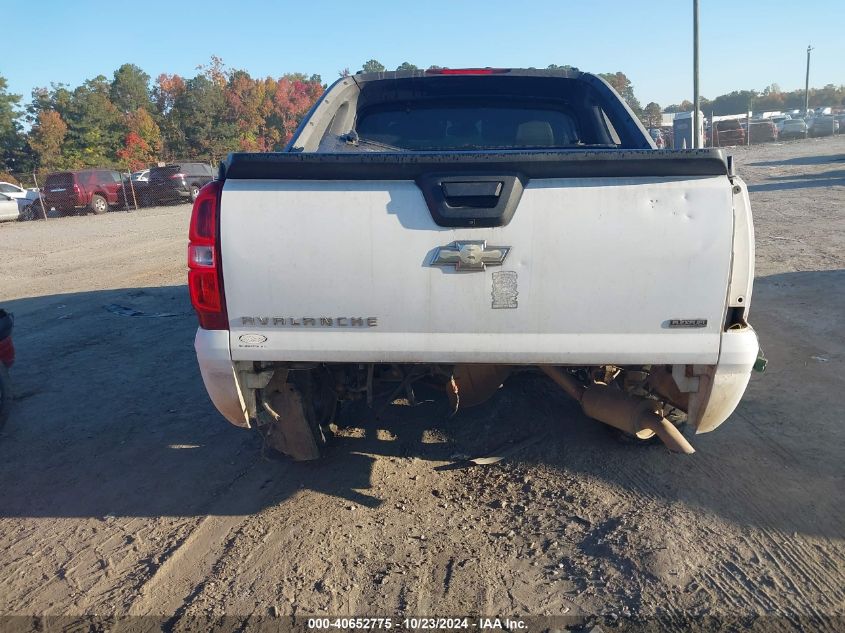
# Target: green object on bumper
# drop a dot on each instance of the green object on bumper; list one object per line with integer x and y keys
{"x": 760, "y": 363}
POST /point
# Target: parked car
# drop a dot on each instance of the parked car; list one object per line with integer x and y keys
{"x": 18, "y": 209}
{"x": 91, "y": 190}
{"x": 19, "y": 193}
{"x": 763, "y": 131}
{"x": 779, "y": 121}
{"x": 657, "y": 137}
{"x": 793, "y": 128}
{"x": 135, "y": 190}
{"x": 728, "y": 132}
{"x": 178, "y": 182}
{"x": 824, "y": 125}
{"x": 9, "y": 208}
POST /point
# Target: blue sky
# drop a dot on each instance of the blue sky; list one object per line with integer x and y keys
{"x": 744, "y": 44}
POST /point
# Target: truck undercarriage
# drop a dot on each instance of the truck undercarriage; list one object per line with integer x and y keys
{"x": 294, "y": 404}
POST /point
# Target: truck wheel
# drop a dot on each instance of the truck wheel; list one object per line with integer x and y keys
{"x": 99, "y": 205}
{"x": 195, "y": 191}
{"x": 5, "y": 395}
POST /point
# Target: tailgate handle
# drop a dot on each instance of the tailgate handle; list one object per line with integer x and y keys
{"x": 482, "y": 189}
{"x": 472, "y": 199}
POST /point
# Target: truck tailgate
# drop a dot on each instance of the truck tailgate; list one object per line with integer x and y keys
{"x": 597, "y": 271}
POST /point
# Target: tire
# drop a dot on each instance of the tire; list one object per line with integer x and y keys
{"x": 195, "y": 191}
{"x": 32, "y": 212}
{"x": 5, "y": 395}
{"x": 99, "y": 204}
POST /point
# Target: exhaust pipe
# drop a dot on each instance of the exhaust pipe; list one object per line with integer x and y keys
{"x": 640, "y": 417}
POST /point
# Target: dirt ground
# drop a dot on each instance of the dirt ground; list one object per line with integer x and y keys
{"x": 122, "y": 491}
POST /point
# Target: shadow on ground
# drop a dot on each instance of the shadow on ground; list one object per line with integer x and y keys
{"x": 802, "y": 160}
{"x": 829, "y": 178}
{"x": 111, "y": 418}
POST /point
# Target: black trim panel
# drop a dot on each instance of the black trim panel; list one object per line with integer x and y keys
{"x": 609, "y": 163}
{"x": 479, "y": 200}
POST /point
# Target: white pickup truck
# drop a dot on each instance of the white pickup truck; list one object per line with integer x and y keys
{"x": 455, "y": 226}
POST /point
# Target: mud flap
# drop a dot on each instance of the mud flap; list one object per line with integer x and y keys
{"x": 289, "y": 423}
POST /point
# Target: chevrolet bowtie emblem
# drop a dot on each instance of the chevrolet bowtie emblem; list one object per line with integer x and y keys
{"x": 470, "y": 255}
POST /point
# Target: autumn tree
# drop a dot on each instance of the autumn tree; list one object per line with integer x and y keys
{"x": 652, "y": 115}
{"x": 373, "y": 66}
{"x": 142, "y": 141}
{"x": 249, "y": 104}
{"x": 167, "y": 91}
{"x": 46, "y": 139}
{"x": 201, "y": 116}
{"x": 136, "y": 152}
{"x": 292, "y": 99}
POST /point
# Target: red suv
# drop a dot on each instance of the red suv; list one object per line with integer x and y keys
{"x": 86, "y": 190}
{"x": 728, "y": 132}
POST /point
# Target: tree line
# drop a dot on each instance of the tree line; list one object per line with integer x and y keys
{"x": 770, "y": 99}
{"x": 132, "y": 121}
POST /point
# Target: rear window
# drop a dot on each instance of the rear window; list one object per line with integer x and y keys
{"x": 728, "y": 125}
{"x": 59, "y": 180}
{"x": 196, "y": 169}
{"x": 107, "y": 176}
{"x": 164, "y": 172}
{"x": 470, "y": 125}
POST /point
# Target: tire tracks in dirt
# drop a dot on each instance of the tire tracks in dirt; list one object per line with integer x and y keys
{"x": 183, "y": 574}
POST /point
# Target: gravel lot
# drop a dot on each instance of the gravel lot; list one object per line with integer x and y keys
{"x": 124, "y": 492}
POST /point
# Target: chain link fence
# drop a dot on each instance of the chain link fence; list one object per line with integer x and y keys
{"x": 114, "y": 187}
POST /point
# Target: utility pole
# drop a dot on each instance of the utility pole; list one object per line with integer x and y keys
{"x": 807, "y": 91}
{"x": 807, "y": 84}
{"x": 696, "y": 100}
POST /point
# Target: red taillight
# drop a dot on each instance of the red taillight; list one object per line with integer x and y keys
{"x": 466, "y": 71}
{"x": 205, "y": 279}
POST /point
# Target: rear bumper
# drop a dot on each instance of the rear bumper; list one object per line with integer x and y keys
{"x": 62, "y": 203}
{"x": 721, "y": 387}
{"x": 169, "y": 193}
{"x": 350, "y": 345}
{"x": 218, "y": 374}
{"x": 729, "y": 378}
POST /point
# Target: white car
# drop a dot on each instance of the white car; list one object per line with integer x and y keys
{"x": 779, "y": 121}
{"x": 9, "y": 208}
{"x": 13, "y": 191}
{"x": 141, "y": 176}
